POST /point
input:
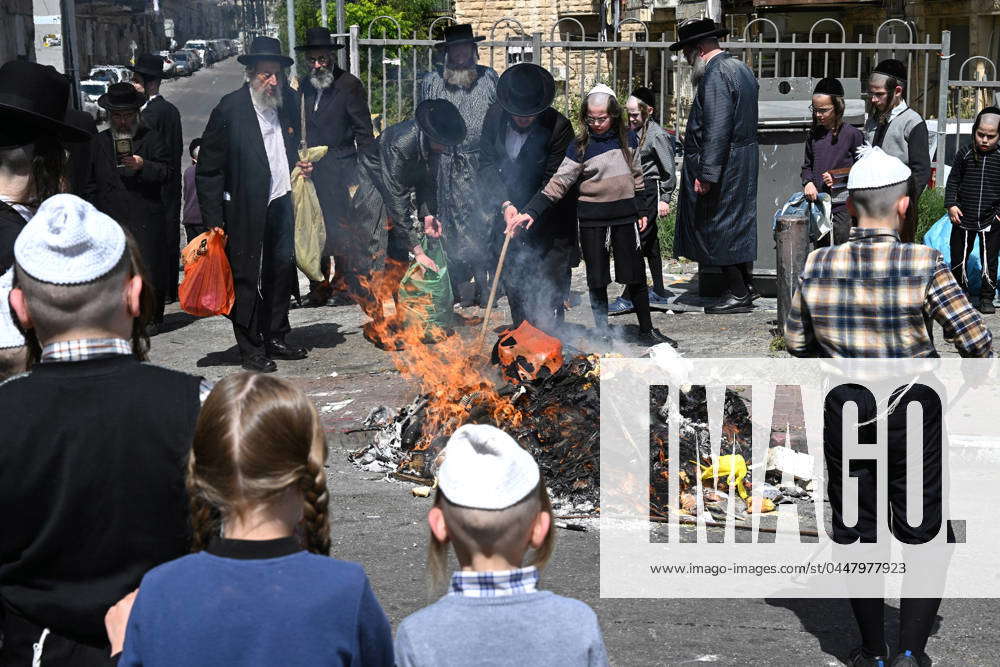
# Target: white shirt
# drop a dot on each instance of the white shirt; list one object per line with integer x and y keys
{"x": 514, "y": 142}
{"x": 26, "y": 212}
{"x": 274, "y": 146}
{"x": 143, "y": 107}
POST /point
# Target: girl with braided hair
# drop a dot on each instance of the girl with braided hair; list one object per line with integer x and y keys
{"x": 260, "y": 588}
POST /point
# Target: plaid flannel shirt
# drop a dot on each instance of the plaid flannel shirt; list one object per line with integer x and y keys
{"x": 876, "y": 297}
{"x": 86, "y": 349}
{"x": 494, "y": 584}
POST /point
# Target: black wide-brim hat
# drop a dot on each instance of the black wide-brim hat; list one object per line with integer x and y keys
{"x": 645, "y": 95}
{"x": 33, "y": 101}
{"x": 692, "y": 32}
{"x": 319, "y": 38}
{"x": 149, "y": 65}
{"x": 121, "y": 97}
{"x": 460, "y": 33}
{"x": 265, "y": 48}
{"x": 891, "y": 67}
{"x": 526, "y": 89}
{"x": 441, "y": 122}
{"x": 829, "y": 86}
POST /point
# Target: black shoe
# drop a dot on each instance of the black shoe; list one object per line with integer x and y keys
{"x": 860, "y": 658}
{"x": 279, "y": 349}
{"x": 654, "y": 337}
{"x": 259, "y": 363}
{"x": 986, "y": 306}
{"x": 730, "y": 304}
{"x": 905, "y": 659}
{"x": 152, "y": 329}
{"x": 754, "y": 294}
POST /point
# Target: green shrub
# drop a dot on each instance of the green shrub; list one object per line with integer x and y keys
{"x": 665, "y": 231}
{"x": 930, "y": 209}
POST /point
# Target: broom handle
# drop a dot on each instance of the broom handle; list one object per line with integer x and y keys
{"x": 303, "y": 144}
{"x": 493, "y": 292}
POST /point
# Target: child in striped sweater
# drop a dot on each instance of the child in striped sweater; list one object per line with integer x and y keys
{"x": 604, "y": 163}
{"x": 972, "y": 198}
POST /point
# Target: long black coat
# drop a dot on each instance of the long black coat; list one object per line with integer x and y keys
{"x": 720, "y": 147}
{"x": 146, "y": 216}
{"x": 543, "y": 151}
{"x": 92, "y": 172}
{"x": 234, "y": 181}
{"x": 163, "y": 117}
{"x": 11, "y": 224}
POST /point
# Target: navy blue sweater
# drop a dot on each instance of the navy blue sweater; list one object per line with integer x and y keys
{"x": 257, "y": 603}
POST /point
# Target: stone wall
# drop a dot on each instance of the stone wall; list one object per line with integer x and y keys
{"x": 17, "y": 30}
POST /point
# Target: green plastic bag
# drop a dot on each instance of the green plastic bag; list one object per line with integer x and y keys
{"x": 425, "y": 297}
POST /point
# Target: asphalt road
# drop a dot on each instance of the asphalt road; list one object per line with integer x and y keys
{"x": 381, "y": 525}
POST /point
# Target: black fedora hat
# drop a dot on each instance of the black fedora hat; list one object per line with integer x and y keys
{"x": 33, "y": 101}
{"x": 149, "y": 65}
{"x": 121, "y": 97}
{"x": 526, "y": 89}
{"x": 695, "y": 30}
{"x": 441, "y": 122}
{"x": 319, "y": 38}
{"x": 265, "y": 48}
{"x": 460, "y": 33}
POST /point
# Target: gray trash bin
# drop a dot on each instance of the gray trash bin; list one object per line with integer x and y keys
{"x": 783, "y": 120}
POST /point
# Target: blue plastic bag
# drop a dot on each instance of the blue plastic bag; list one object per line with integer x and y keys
{"x": 939, "y": 238}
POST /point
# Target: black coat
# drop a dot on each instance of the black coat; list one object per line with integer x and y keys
{"x": 342, "y": 120}
{"x": 92, "y": 172}
{"x": 234, "y": 182}
{"x": 11, "y": 224}
{"x": 146, "y": 216}
{"x": 162, "y": 116}
{"x": 518, "y": 180}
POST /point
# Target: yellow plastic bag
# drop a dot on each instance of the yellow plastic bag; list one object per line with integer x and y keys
{"x": 310, "y": 232}
{"x": 733, "y": 468}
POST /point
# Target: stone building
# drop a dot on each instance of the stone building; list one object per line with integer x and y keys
{"x": 17, "y": 30}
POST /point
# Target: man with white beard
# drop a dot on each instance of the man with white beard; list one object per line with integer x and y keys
{"x": 144, "y": 166}
{"x": 472, "y": 88}
{"x": 336, "y": 116}
{"x": 717, "y": 202}
{"x": 244, "y": 186}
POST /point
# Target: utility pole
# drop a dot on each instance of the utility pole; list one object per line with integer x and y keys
{"x": 71, "y": 54}
{"x": 322, "y": 9}
{"x": 341, "y": 29}
{"x": 290, "y": 7}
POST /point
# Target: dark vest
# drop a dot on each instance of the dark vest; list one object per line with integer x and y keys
{"x": 92, "y": 469}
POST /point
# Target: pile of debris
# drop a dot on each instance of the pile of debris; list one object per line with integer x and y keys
{"x": 548, "y": 398}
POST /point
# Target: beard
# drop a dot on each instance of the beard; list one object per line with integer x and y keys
{"x": 460, "y": 77}
{"x": 321, "y": 78}
{"x": 698, "y": 68}
{"x": 127, "y": 133}
{"x": 263, "y": 99}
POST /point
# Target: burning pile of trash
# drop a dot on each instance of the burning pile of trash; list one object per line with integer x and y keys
{"x": 547, "y": 396}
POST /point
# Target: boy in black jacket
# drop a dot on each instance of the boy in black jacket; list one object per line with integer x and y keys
{"x": 972, "y": 198}
{"x": 92, "y": 468}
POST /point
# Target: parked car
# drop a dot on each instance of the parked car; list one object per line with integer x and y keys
{"x": 91, "y": 90}
{"x": 200, "y": 47}
{"x": 182, "y": 64}
{"x": 102, "y": 73}
{"x": 52, "y": 39}
{"x": 168, "y": 64}
{"x": 194, "y": 60}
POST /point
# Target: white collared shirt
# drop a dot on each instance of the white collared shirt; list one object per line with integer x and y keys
{"x": 143, "y": 107}
{"x": 514, "y": 142}
{"x": 274, "y": 146}
{"x": 898, "y": 109}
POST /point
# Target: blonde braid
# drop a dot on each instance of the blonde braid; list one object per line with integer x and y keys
{"x": 202, "y": 522}
{"x": 315, "y": 513}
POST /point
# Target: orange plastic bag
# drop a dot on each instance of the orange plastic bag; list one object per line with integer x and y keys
{"x": 207, "y": 288}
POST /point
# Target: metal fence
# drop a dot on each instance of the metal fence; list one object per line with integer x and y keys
{"x": 391, "y": 64}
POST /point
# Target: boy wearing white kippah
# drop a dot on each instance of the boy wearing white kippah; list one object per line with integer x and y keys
{"x": 492, "y": 506}
{"x": 92, "y": 468}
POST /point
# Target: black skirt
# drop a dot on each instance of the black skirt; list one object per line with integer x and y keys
{"x": 598, "y": 243}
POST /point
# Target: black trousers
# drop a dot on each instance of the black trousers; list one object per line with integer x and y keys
{"x": 277, "y": 275}
{"x": 961, "y": 243}
{"x": 533, "y": 278}
{"x": 19, "y": 635}
{"x": 916, "y": 614}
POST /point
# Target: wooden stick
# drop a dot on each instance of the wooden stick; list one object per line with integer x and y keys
{"x": 493, "y": 293}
